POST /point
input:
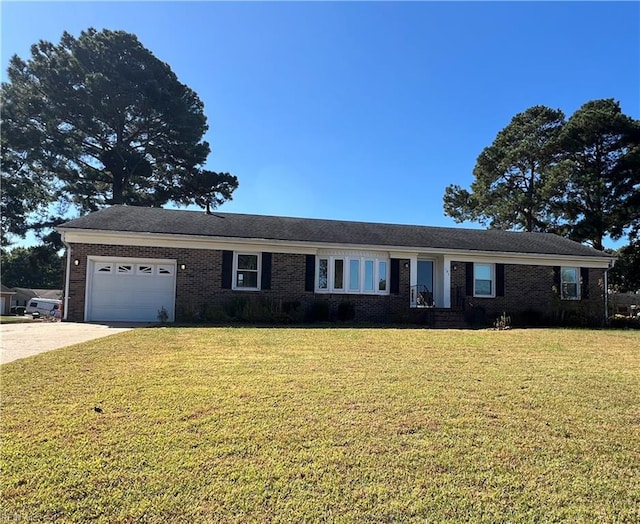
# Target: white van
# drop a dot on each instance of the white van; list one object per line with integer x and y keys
{"x": 44, "y": 307}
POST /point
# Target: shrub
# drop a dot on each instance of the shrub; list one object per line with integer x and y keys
{"x": 319, "y": 311}
{"x": 346, "y": 311}
{"x": 502, "y": 322}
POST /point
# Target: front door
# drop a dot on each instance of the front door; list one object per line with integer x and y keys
{"x": 424, "y": 292}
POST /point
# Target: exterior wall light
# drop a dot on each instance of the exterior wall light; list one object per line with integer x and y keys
{"x": 183, "y": 266}
{"x": 76, "y": 262}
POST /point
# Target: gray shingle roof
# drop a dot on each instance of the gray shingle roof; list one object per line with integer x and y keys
{"x": 235, "y": 225}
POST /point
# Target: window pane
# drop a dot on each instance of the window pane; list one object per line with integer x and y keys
{"x": 382, "y": 276}
{"x": 248, "y": 262}
{"x": 570, "y": 282}
{"x": 483, "y": 287}
{"x": 247, "y": 279}
{"x": 323, "y": 272}
{"x": 354, "y": 274}
{"x": 368, "y": 275}
{"x": 483, "y": 279}
{"x": 482, "y": 271}
{"x": 338, "y": 274}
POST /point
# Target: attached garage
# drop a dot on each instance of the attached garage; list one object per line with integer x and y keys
{"x": 130, "y": 290}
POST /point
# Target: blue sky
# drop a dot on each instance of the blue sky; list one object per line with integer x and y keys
{"x": 362, "y": 110}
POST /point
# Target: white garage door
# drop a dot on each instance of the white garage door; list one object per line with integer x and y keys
{"x": 130, "y": 290}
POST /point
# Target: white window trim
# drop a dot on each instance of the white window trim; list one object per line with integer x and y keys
{"x": 578, "y": 283}
{"x": 234, "y": 276}
{"x": 346, "y": 277}
{"x": 492, "y": 266}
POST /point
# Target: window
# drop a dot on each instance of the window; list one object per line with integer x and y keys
{"x": 144, "y": 269}
{"x": 570, "y": 283}
{"x": 323, "y": 273}
{"x": 483, "y": 280}
{"x": 103, "y": 267}
{"x": 165, "y": 270}
{"x": 125, "y": 268}
{"x": 338, "y": 274}
{"x": 246, "y": 271}
{"x": 352, "y": 274}
{"x": 368, "y": 275}
{"x": 382, "y": 276}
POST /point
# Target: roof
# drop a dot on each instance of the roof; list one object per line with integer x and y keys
{"x": 7, "y": 291}
{"x": 130, "y": 219}
{"x": 39, "y": 293}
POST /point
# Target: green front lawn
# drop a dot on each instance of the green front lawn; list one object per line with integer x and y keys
{"x": 338, "y": 425}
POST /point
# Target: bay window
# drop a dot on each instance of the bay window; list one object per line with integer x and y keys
{"x": 352, "y": 274}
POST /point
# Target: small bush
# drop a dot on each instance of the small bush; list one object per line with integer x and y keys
{"x": 346, "y": 311}
{"x": 163, "y": 315}
{"x": 319, "y": 311}
{"x": 502, "y": 322}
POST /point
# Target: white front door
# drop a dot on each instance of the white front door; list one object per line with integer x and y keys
{"x": 130, "y": 290}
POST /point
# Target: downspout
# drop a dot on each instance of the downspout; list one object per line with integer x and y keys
{"x": 66, "y": 277}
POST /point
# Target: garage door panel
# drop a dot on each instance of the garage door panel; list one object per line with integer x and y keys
{"x": 122, "y": 290}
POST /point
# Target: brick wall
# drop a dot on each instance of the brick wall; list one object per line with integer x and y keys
{"x": 529, "y": 292}
{"x": 199, "y": 285}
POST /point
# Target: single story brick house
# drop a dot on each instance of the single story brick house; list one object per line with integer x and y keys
{"x": 129, "y": 263}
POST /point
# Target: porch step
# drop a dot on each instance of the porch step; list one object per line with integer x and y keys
{"x": 439, "y": 318}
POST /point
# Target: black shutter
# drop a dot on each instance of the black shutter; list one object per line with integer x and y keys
{"x": 394, "y": 285}
{"x": 499, "y": 280}
{"x": 556, "y": 279}
{"x": 584, "y": 277}
{"x": 469, "y": 278}
{"x": 310, "y": 273}
{"x": 265, "y": 281}
{"x": 227, "y": 269}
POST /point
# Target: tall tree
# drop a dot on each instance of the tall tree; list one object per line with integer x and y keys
{"x": 39, "y": 267}
{"x": 512, "y": 186}
{"x": 112, "y": 122}
{"x": 625, "y": 274}
{"x": 601, "y": 170}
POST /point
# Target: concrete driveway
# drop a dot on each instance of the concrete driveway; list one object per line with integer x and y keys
{"x": 24, "y": 340}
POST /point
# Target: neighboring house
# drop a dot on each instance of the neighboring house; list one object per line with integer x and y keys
{"x": 128, "y": 263}
{"x": 6, "y": 295}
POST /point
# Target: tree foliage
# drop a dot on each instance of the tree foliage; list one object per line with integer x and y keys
{"x": 580, "y": 177}
{"x": 112, "y": 125}
{"x": 512, "y": 183}
{"x": 600, "y": 172}
{"x": 625, "y": 274}
{"x": 39, "y": 267}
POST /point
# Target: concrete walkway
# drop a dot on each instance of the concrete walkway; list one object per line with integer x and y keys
{"x": 24, "y": 340}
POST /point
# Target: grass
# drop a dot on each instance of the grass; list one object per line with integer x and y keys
{"x": 10, "y": 319}
{"x": 344, "y": 425}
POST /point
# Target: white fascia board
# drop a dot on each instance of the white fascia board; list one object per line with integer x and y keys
{"x": 126, "y": 238}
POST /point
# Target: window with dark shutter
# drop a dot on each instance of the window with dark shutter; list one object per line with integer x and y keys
{"x": 468, "y": 268}
{"x": 310, "y": 273}
{"x": 394, "y": 285}
{"x": 265, "y": 279}
{"x": 499, "y": 280}
{"x": 584, "y": 277}
{"x": 227, "y": 269}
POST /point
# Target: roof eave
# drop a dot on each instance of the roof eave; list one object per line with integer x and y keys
{"x": 92, "y": 236}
